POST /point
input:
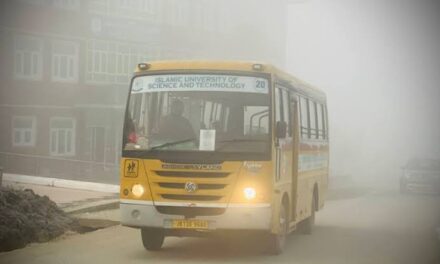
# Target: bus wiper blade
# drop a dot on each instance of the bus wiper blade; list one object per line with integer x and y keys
{"x": 173, "y": 143}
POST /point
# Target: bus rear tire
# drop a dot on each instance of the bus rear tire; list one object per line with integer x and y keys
{"x": 152, "y": 238}
{"x": 277, "y": 242}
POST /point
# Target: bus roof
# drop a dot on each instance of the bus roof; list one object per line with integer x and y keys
{"x": 248, "y": 66}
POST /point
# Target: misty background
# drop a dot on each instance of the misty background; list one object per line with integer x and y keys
{"x": 379, "y": 63}
{"x": 66, "y": 67}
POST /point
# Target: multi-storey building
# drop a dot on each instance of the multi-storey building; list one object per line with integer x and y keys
{"x": 66, "y": 67}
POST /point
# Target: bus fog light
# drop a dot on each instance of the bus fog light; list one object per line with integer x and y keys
{"x": 249, "y": 193}
{"x": 137, "y": 190}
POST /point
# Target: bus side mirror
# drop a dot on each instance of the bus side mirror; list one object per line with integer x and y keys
{"x": 281, "y": 129}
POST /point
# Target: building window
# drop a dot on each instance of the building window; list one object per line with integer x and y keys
{"x": 111, "y": 62}
{"x": 96, "y": 141}
{"x": 23, "y": 131}
{"x": 64, "y": 61}
{"x": 138, "y": 9}
{"x": 130, "y": 4}
{"x": 34, "y": 2}
{"x": 62, "y": 136}
{"x": 181, "y": 13}
{"x": 28, "y": 59}
{"x": 66, "y": 4}
{"x": 149, "y": 6}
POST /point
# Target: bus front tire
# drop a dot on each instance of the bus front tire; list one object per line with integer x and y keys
{"x": 152, "y": 238}
{"x": 277, "y": 242}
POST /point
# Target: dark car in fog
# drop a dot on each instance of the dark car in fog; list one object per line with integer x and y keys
{"x": 420, "y": 175}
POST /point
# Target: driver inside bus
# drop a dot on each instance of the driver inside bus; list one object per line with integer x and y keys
{"x": 175, "y": 127}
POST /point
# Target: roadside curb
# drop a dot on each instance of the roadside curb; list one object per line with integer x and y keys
{"x": 62, "y": 183}
{"x": 100, "y": 205}
{"x": 99, "y": 216}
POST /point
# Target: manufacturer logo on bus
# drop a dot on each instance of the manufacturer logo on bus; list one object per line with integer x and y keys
{"x": 191, "y": 187}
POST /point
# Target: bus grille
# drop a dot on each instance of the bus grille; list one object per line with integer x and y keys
{"x": 213, "y": 186}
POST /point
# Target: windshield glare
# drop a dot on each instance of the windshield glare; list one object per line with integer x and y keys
{"x": 214, "y": 117}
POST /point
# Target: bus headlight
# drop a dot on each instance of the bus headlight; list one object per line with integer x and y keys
{"x": 137, "y": 190}
{"x": 249, "y": 193}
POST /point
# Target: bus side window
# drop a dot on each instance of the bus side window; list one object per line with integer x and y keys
{"x": 256, "y": 120}
{"x": 282, "y": 108}
{"x": 304, "y": 117}
{"x": 294, "y": 118}
{"x": 325, "y": 119}
{"x": 278, "y": 107}
{"x": 286, "y": 111}
{"x": 312, "y": 111}
{"x": 320, "y": 121}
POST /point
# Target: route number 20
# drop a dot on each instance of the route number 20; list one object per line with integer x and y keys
{"x": 260, "y": 84}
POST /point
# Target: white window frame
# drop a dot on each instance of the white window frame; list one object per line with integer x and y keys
{"x": 149, "y": 6}
{"x": 66, "y": 4}
{"x": 180, "y": 13}
{"x": 22, "y": 131}
{"x": 91, "y": 134}
{"x": 55, "y": 132}
{"x": 71, "y": 60}
{"x": 113, "y": 62}
{"x": 35, "y": 56}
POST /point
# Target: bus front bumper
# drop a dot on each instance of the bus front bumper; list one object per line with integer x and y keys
{"x": 243, "y": 217}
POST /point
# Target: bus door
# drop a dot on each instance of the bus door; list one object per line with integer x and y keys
{"x": 284, "y": 146}
{"x": 295, "y": 149}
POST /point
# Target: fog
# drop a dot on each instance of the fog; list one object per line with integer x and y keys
{"x": 66, "y": 67}
{"x": 378, "y": 62}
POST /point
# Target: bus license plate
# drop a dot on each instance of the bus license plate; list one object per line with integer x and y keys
{"x": 190, "y": 224}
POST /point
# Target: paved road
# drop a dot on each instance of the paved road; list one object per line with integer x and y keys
{"x": 378, "y": 227}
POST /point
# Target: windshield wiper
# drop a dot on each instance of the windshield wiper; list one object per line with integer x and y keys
{"x": 173, "y": 143}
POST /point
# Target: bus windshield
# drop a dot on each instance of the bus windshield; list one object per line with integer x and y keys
{"x": 198, "y": 112}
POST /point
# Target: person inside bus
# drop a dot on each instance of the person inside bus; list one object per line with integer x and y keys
{"x": 129, "y": 130}
{"x": 175, "y": 127}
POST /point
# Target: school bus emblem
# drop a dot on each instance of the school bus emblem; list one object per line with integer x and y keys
{"x": 131, "y": 168}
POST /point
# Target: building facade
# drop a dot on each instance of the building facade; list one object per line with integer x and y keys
{"x": 66, "y": 67}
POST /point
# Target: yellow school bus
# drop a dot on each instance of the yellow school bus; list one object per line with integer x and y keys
{"x": 213, "y": 146}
